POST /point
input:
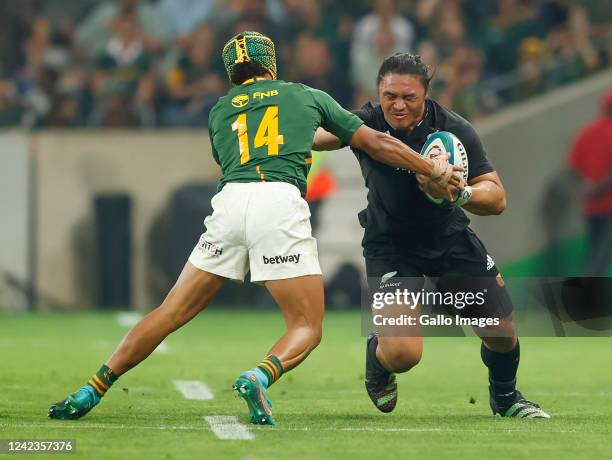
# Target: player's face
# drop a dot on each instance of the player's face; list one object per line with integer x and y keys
{"x": 402, "y": 99}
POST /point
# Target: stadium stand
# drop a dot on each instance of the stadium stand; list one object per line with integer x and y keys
{"x": 137, "y": 63}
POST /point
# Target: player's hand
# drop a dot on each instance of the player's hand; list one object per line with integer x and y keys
{"x": 443, "y": 173}
{"x": 435, "y": 190}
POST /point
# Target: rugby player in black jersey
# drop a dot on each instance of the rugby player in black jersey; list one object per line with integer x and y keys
{"x": 408, "y": 236}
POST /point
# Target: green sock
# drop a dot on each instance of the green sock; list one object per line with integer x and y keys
{"x": 272, "y": 367}
{"x": 103, "y": 380}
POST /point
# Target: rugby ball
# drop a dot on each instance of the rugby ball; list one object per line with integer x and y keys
{"x": 443, "y": 143}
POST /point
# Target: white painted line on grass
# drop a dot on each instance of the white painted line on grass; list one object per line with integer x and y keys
{"x": 571, "y": 393}
{"x": 162, "y": 347}
{"x": 193, "y": 389}
{"x": 228, "y": 427}
{"x": 130, "y": 319}
{"x": 481, "y": 431}
{"x": 358, "y": 429}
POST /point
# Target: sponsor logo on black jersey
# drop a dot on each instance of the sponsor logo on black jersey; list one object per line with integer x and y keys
{"x": 387, "y": 280}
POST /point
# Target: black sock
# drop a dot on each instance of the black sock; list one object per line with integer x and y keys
{"x": 372, "y": 354}
{"x": 502, "y": 370}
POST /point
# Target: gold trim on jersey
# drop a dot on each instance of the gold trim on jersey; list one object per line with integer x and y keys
{"x": 262, "y": 176}
{"x": 252, "y": 80}
{"x": 242, "y": 54}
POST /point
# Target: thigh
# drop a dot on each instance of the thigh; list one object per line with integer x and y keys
{"x": 395, "y": 317}
{"x": 278, "y": 233}
{"x": 193, "y": 291}
{"x": 300, "y": 299}
{"x": 471, "y": 276}
{"x": 400, "y": 342}
{"x": 221, "y": 249}
{"x": 392, "y": 271}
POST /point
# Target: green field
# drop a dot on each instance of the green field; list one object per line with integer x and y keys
{"x": 321, "y": 408}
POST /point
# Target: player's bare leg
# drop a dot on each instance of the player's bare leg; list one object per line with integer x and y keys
{"x": 500, "y": 352}
{"x": 191, "y": 293}
{"x": 391, "y": 350}
{"x": 301, "y": 302}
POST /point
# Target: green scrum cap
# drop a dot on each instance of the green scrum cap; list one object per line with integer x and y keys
{"x": 249, "y": 46}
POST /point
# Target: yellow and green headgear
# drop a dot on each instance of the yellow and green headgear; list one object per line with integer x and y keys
{"x": 249, "y": 46}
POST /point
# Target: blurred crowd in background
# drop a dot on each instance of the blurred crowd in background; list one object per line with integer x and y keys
{"x": 139, "y": 63}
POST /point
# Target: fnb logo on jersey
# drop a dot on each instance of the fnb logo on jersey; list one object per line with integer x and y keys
{"x": 292, "y": 258}
{"x": 240, "y": 101}
{"x": 262, "y": 94}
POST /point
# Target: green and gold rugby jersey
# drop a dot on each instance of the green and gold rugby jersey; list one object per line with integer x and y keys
{"x": 262, "y": 130}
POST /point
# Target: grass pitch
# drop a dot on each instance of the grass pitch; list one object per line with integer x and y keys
{"x": 321, "y": 408}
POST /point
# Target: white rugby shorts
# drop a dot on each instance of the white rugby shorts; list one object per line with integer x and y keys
{"x": 261, "y": 226}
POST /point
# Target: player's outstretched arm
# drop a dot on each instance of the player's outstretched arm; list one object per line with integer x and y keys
{"x": 389, "y": 150}
{"x": 488, "y": 195}
{"x": 380, "y": 146}
{"x": 324, "y": 140}
{"x": 386, "y": 149}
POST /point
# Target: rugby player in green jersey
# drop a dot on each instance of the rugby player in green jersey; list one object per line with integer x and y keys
{"x": 261, "y": 134}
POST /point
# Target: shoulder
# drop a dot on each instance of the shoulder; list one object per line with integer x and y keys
{"x": 287, "y": 84}
{"x": 368, "y": 109}
{"x": 218, "y": 105}
{"x": 305, "y": 94}
{"x": 447, "y": 120}
{"x": 319, "y": 99}
{"x": 214, "y": 112}
{"x": 314, "y": 92}
{"x": 371, "y": 115}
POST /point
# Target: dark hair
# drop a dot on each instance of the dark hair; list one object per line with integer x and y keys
{"x": 405, "y": 64}
{"x": 242, "y": 71}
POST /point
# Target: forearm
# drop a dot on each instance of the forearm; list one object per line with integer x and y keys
{"x": 393, "y": 152}
{"x": 380, "y": 146}
{"x": 324, "y": 140}
{"x": 488, "y": 198}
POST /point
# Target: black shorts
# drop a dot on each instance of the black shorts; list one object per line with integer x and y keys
{"x": 463, "y": 267}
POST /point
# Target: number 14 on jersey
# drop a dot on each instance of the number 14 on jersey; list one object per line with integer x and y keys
{"x": 267, "y": 133}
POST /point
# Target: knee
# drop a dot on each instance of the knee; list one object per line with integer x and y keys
{"x": 502, "y": 337}
{"x": 309, "y": 334}
{"x": 315, "y": 334}
{"x": 500, "y": 344}
{"x": 399, "y": 361}
{"x": 178, "y": 313}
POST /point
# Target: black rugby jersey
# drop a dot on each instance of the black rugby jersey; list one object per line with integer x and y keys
{"x": 399, "y": 217}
